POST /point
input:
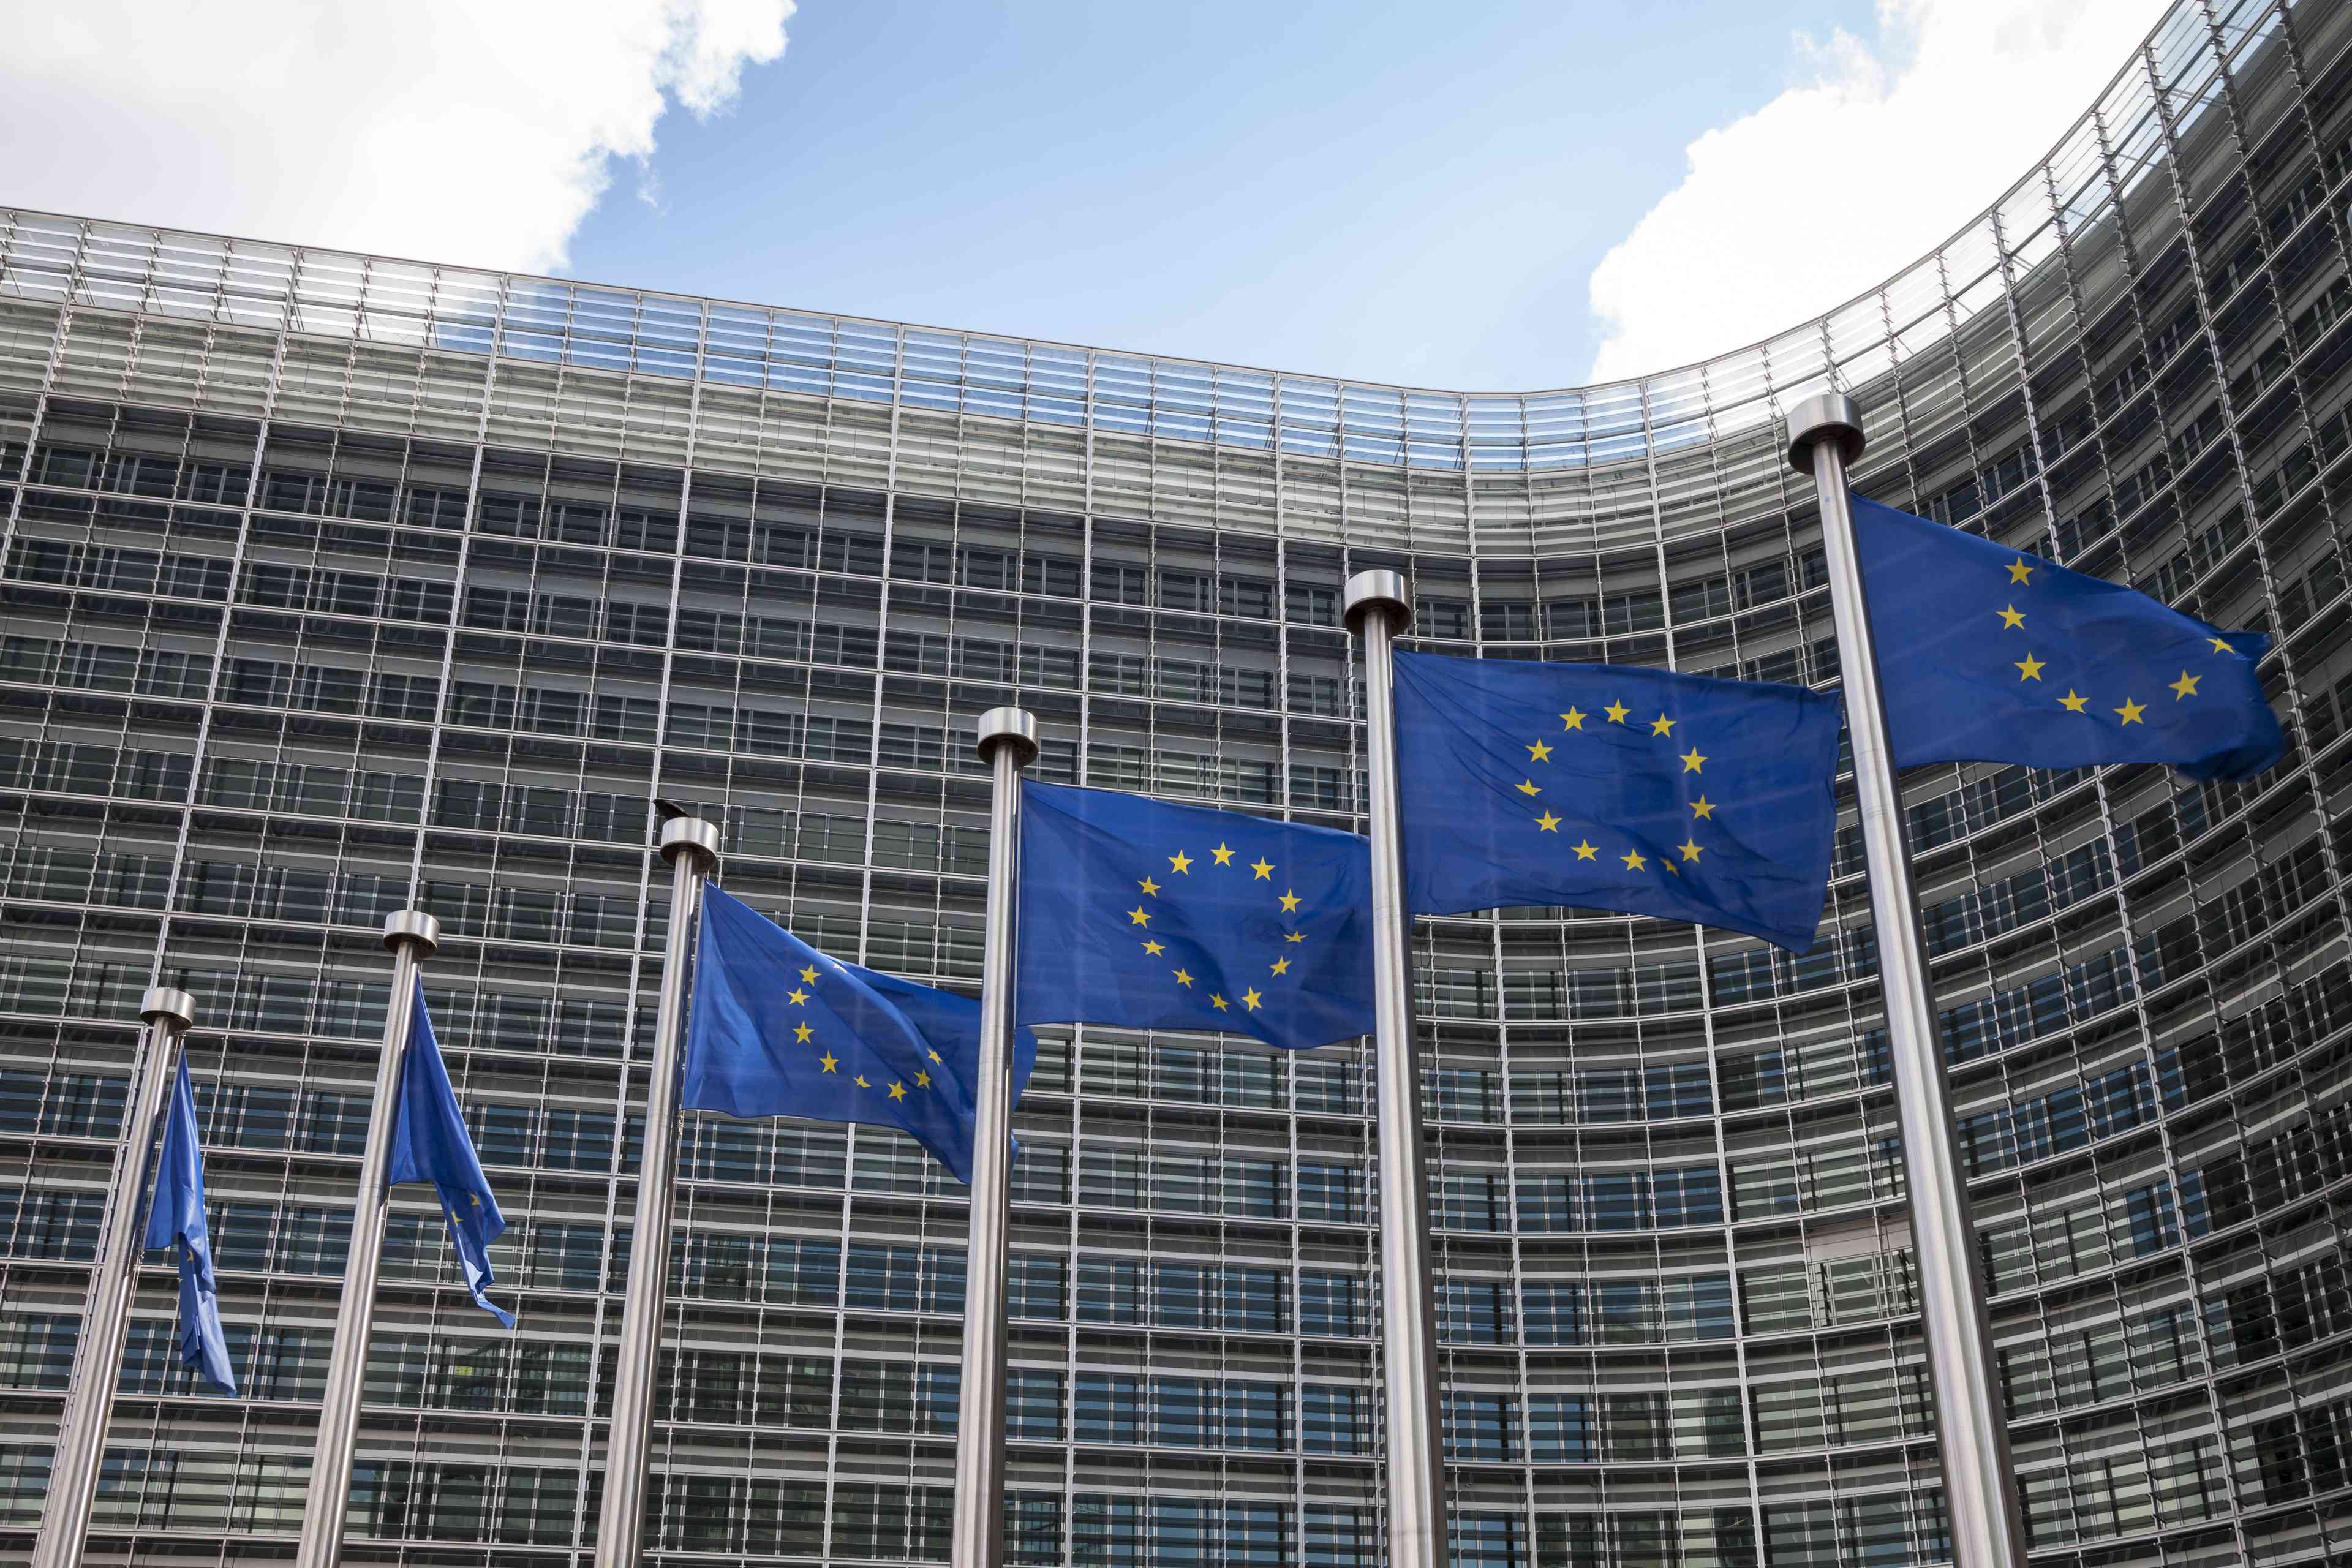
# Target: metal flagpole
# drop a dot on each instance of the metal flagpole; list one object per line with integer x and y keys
{"x": 1379, "y": 609}
{"x": 1007, "y": 741}
{"x": 690, "y": 845}
{"x": 90, "y": 1408}
{"x": 1972, "y": 1434}
{"x": 412, "y": 935}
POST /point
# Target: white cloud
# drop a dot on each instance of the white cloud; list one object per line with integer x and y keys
{"x": 1913, "y": 136}
{"x": 473, "y": 130}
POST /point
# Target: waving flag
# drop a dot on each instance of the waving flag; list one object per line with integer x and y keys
{"x": 1136, "y": 912}
{"x": 777, "y": 1028}
{"x": 1989, "y": 655}
{"x": 429, "y": 1143}
{"x": 177, "y": 1220}
{"x": 1615, "y": 787}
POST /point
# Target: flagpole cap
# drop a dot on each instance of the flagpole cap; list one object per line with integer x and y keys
{"x": 1014, "y": 727}
{"x": 414, "y": 926}
{"x": 1377, "y": 589}
{"x": 1826, "y": 417}
{"x": 693, "y": 836}
{"x": 171, "y": 1008}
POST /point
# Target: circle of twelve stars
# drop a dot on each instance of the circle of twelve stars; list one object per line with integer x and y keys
{"x": 2013, "y": 619}
{"x": 1692, "y": 761}
{"x": 799, "y": 997}
{"x": 1181, "y": 864}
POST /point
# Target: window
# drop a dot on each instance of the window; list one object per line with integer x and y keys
{"x": 1335, "y": 1306}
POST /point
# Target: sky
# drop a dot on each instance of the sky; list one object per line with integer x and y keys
{"x": 1494, "y": 195}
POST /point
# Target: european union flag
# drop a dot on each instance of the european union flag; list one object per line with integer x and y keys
{"x": 1989, "y": 655}
{"x": 429, "y": 1143}
{"x": 779, "y": 1029}
{"x": 1616, "y": 787}
{"x": 1154, "y": 916}
{"x": 177, "y": 1218}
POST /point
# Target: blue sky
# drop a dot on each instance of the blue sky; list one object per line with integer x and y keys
{"x": 1503, "y": 195}
{"x": 1401, "y": 193}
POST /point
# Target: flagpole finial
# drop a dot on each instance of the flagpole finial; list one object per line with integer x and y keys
{"x": 407, "y": 927}
{"x": 163, "y": 1004}
{"x": 1826, "y": 417}
{"x": 1014, "y": 727}
{"x": 1379, "y": 589}
{"x": 695, "y": 835}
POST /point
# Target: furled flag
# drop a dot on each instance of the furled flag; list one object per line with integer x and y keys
{"x": 429, "y": 1143}
{"x": 176, "y": 1218}
{"x": 1615, "y": 787}
{"x": 1989, "y": 655}
{"x": 1140, "y": 914}
{"x": 776, "y": 1028}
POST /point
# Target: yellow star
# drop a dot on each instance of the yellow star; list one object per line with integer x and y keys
{"x": 1662, "y": 725}
{"x": 1540, "y": 752}
{"x": 1289, "y": 902}
{"x": 1282, "y": 966}
{"x": 1616, "y": 712}
{"x": 1138, "y": 916}
{"x": 1691, "y": 760}
{"x": 2019, "y": 572}
{"x": 797, "y": 996}
{"x": 2030, "y": 667}
{"x": 2130, "y": 711}
{"x": 898, "y": 1091}
{"x": 1548, "y": 823}
{"x": 1527, "y": 787}
{"x": 1182, "y": 862}
{"x": 809, "y": 974}
{"x": 1154, "y": 949}
{"x": 922, "y": 1080}
{"x": 2184, "y": 686}
{"x": 860, "y": 1081}
{"x": 1184, "y": 977}
{"x": 1294, "y": 936}
{"x": 1670, "y": 868}
{"x": 1264, "y": 868}
{"x": 828, "y": 1061}
{"x": 1250, "y": 999}
{"x": 2011, "y": 617}
{"x": 1151, "y": 889}
{"x": 802, "y": 1032}
{"x": 1633, "y": 861}
{"x": 1224, "y": 857}
{"x": 1573, "y": 719}
{"x": 1219, "y": 1002}
{"x": 937, "y": 1058}
{"x": 1690, "y": 850}
{"x": 1587, "y": 850}
{"x": 1702, "y": 808}
{"x": 2220, "y": 645}
{"x": 2072, "y": 702}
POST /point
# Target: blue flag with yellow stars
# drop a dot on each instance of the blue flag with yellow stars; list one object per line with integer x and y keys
{"x": 1154, "y": 916}
{"x": 1610, "y": 786}
{"x": 1988, "y": 655}
{"x": 429, "y": 1143}
{"x": 177, "y": 1218}
{"x": 776, "y": 1028}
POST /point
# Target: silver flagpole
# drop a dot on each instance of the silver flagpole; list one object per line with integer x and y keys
{"x": 412, "y": 934}
{"x": 1007, "y": 741}
{"x": 1971, "y": 1433}
{"x": 690, "y": 845}
{"x": 98, "y": 1366}
{"x": 1379, "y": 609}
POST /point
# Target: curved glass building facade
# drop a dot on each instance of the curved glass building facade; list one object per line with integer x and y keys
{"x": 335, "y": 583}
